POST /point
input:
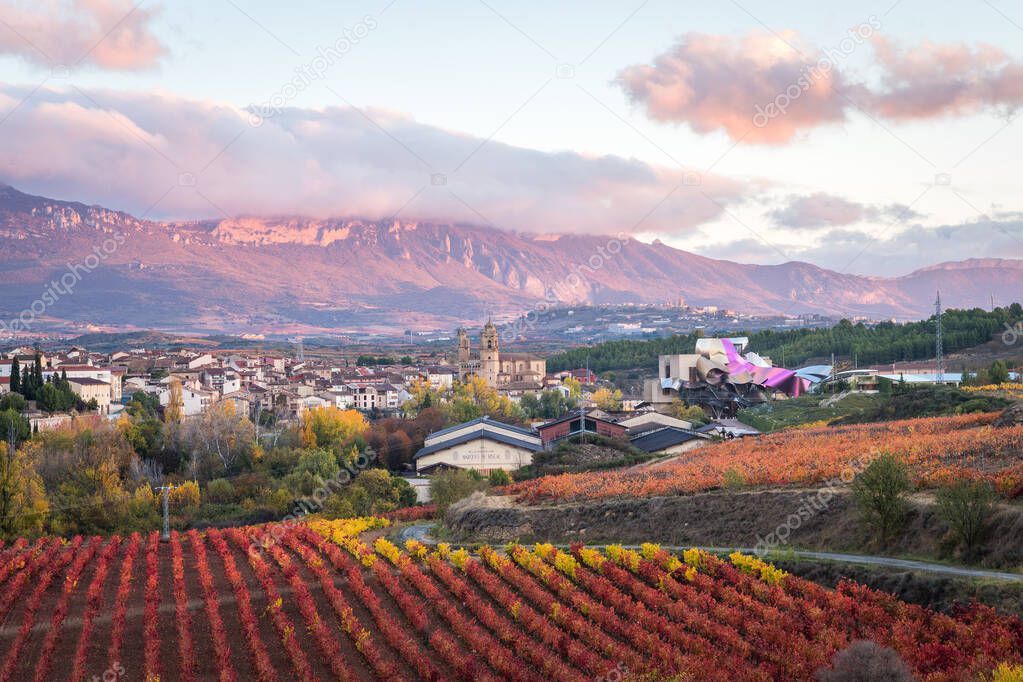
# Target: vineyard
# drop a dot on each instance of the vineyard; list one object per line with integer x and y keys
{"x": 938, "y": 450}
{"x": 322, "y": 601}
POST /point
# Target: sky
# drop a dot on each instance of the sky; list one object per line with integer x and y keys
{"x": 875, "y": 137}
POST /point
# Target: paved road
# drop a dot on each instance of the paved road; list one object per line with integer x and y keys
{"x": 421, "y": 532}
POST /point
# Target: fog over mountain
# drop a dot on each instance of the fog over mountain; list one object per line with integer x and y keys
{"x": 261, "y": 273}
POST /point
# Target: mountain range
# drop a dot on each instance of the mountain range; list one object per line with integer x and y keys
{"x": 290, "y": 274}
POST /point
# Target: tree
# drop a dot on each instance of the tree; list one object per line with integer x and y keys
{"x": 14, "y": 428}
{"x": 332, "y": 429}
{"x": 473, "y": 399}
{"x": 37, "y": 372}
{"x": 448, "y": 487}
{"x": 530, "y": 405}
{"x": 998, "y": 373}
{"x": 866, "y": 661}
{"x": 313, "y": 469}
{"x": 690, "y": 413}
{"x": 173, "y": 412}
{"x": 575, "y": 389}
{"x": 880, "y": 492}
{"x": 15, "y": 377}
{"x": 967, "y": 507}
{"x": 13, "y": 401}
{"x": 608, "y": 400}
{"x": 499, "y": 477}
{"x": 373, "y": 491}
{"x": 23, "y": 504}
{"x": 219, "y": 439}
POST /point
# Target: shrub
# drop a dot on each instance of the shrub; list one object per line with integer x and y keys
{"x": 865, "y": 661}
{"x": 499, "y": 477}
{"x": 220, "y": 490}
{"x": 880, "y": 492}
{"x": 967, "y": 506}
{"x": 453, "y": 485}
{"x": 184, "y": 496}
{"x": 732, "y": 479}
{"x": 1007, "y": 673}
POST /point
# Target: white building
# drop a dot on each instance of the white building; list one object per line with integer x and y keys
{"x": 482, "y": 444}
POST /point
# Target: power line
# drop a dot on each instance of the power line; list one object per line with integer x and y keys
{"x": 939, "y": 356}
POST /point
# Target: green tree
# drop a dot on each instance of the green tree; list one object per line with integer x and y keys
{"x": 530, "y": 406}
{"x": 447, "y": 487}
{"x": 998, "y": 373}
{"x": 313, "y": 470}
{"x": 13, "y": 427}
{"x": 13, "y": 401}
{"x": 881, "y": 490}
{"x": 967, "y": 507}
{"x": 15, "y": 377}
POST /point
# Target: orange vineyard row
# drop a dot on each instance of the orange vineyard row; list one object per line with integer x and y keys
{"x": 937, "y": 450}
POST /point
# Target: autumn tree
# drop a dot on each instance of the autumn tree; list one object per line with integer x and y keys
{"x": 173, "y": 412}
{"x": 575, "y": 387}
{"x": 690, "y": 413}
{"x": 332, "y": 429}
{"x": 608, "y": 400}
{"x": 218, "y": 440}
{"x": 23, "y": 503}
{"x": 473, "y": 399}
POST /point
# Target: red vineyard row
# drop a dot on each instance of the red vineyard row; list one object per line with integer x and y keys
{"x": 324, "y": 604}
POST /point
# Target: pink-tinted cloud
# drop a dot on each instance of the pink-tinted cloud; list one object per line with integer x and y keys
{"x": 766, "y": 89}
{"x": 68, "y": 34}
{"x": 821, "y": 210}
{"x": 206, "y": 159}
{"x": 716, "y": 83}
{"x": 938, "y": 80}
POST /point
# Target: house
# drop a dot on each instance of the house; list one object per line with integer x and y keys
{"x": 201, "y": 361}
{"x": 88, "y": 389}
{"x": 482, "y": 444}
{"x": 668, "y": 440}
{"x": 642, "y": 421}
{"x": 193, "y": 402}
{"x": 728, "y": 429}
{"x": 572, "y": 424}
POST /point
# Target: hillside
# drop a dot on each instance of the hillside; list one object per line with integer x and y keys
{"x": 319, "y": 603}
{"x": 293, "y": 273}
{"x": 885, "y": 342}
{"x": 937, "y": 450}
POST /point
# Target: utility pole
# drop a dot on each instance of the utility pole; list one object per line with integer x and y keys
{"x": 939, "y": 376}
{"x": 165, "y": 489}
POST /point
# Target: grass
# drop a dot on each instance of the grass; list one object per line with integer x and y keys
{"x": 784, "y": 414}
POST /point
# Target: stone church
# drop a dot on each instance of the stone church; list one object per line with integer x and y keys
{"x": 506, "y": 371}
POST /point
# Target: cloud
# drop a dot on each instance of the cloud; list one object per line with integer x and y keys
{"x": 933, "y": 80}
{"x": 766, "y": 89}
{"x": 206, "y": 159}
{"x": 889, "y": 252}
{"x": 821, "y": 210}
{"x": 714, "y": 82}
{"x": 67, "y": 34}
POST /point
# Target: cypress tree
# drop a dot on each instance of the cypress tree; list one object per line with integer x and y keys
{"x": 15, "y": 377}
{"x": 38, "y": 378}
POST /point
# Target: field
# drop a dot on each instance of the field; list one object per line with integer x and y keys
{"x": 776, "y": 415}
{"x": 938, "y": 450}
{"x": 321, "y": 601}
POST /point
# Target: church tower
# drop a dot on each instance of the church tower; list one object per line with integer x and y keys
{"x": 490, "y": 363}
{"x": 463, "y": 346}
